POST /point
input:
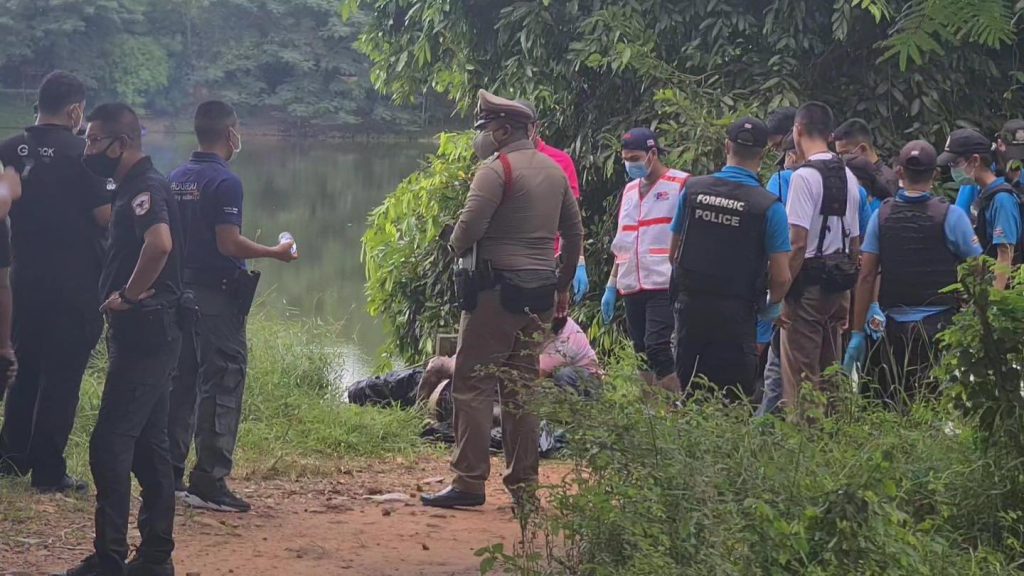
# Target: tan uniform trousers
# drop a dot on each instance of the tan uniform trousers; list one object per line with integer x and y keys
{"x": 498, "y": 353}
{"x": 813, "y": 340}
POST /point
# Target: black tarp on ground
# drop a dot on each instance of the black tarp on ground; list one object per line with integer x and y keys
{"x": 397, "y": 388}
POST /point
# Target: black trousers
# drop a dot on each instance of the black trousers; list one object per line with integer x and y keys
{"x": 53, "y": 346}
{"x": 649, "y": 320}
{"x": 131, "y": 437}
{"x": 717, "y": 338}
{"x": 899, "y": 366}
{"x": 209, "y": 385}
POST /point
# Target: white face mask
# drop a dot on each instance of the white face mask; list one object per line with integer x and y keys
{"x": 239, "y": 140}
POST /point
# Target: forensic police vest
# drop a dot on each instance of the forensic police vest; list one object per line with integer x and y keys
{"x": 723, "y": 250}
{"x": 642, "y": 242}
{"x": 916, "y": 260}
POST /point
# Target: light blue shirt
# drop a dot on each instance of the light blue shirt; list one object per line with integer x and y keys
{"x": 960, "y": 240}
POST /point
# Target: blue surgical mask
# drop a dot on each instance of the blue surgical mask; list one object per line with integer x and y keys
{"x": 637, "y": 170}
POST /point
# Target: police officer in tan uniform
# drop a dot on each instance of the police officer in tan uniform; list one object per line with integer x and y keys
{"x": 518, "y": 202}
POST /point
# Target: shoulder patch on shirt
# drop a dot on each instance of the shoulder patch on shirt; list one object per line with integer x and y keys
{"x": 141, "y": 203}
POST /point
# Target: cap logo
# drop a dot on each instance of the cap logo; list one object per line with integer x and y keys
{"x": 650, "y": 142}
{"x": 915, "y": 153}
{"x": 748, "y": 125}
{"x": 1018, "y": 136}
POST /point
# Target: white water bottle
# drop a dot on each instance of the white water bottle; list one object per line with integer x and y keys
{"x": 287, "y": 237}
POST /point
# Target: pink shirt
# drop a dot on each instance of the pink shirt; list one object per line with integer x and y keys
{"x": 564, "y": 162}
{"x": 570, "y": 348}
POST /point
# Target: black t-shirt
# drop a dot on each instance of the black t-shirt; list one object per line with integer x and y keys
{"x": 142, "y": 200}
{"x": 57, "y": 244}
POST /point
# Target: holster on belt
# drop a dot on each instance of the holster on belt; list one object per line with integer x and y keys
{"x": 145, "y": 327}
{"x": 239, "y": 285}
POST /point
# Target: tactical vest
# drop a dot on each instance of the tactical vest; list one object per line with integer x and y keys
{"x": 723, "y": 249}
{"x": 981, "y": 226}
{"x": 916, "y": 260}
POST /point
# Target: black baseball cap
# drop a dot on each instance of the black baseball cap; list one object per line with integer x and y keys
{"x": 964, "y": 142}
{"x": 1012, "y": 136}
{"x": 919, "y": 156}
{"x": 748, "y": 132}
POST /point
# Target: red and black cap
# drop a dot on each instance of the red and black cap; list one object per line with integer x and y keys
{"x": 748, "y": 132}
{"x": 641, "y": 139}
{"x": 919, "y": 156}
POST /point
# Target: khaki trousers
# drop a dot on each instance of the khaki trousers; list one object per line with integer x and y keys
{"x": 813, "y": 340}
{"x": 498, "y": 354}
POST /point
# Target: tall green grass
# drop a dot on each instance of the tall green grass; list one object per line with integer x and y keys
{"x": 294, "y": 420}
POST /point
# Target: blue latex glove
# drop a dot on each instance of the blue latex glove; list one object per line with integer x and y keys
{"x": 856, "y": 352}
{"x": 770, "y": 313}
{"x": 875, "y": 324}
{"x": 580, "y": 284}
{"x": 608, "y": 303}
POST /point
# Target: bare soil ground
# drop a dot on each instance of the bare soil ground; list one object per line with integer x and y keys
{"x": 301, "y": 527}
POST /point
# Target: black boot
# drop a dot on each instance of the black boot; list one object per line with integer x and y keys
{"x": 136, "y": 567}
{"x": 89, "y": 567}
{"x": 67, "y": 485}
{"x": 453, "y": 498}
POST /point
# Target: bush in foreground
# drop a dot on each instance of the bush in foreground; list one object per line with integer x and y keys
{"x": 705, "y": 490}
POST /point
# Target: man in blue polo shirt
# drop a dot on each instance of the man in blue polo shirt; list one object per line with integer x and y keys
{"x": 727, "y": 232}
{"x": 916, "y": 241}
{"x": 206, "y": 400}
{"x": 996, "y": 208}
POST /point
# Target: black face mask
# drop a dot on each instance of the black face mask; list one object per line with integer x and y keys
{"x": 102, "y": 165}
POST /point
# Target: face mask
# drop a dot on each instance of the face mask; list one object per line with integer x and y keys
{"x": 76, "y": 125}
{"x": 238, "y": 138}
{"x": 484, "y": 145}
{"x": 102, "y": 165}
{"x": 961, "y": 177}
{"x": 637, "y": 170}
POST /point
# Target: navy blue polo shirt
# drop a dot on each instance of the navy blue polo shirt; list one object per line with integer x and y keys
{"x": 208, "y": 194}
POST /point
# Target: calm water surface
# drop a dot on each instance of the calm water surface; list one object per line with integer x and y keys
{"x": 321, "y": 192}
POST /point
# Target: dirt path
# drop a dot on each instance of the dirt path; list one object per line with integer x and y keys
{"x": 320, "y": 527}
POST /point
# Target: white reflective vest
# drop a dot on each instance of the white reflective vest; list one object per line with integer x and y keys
{"x": 644, "y": 236}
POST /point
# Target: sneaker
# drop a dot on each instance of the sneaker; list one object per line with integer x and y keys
{"x": 221, "y": 500}
{"x": 89, "y": 567}
{"x": 68, "y": 485}
{"x": 136, "y": 567}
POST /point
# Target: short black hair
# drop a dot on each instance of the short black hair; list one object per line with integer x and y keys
{"x": 780, "y": 121}
{"x": 59, "y": 90}
{"x": 213, "y": 118}
{"x": 746, "y": 153}
{"x": 854, "y": 130}
{"x": 817, "y": 119}
{"x": 918, "y": 176}
{"x": 118, "y": 119}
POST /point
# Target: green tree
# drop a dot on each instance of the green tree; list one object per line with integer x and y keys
{"x": 139, "y": 68}
{"x": 595, "y": 68}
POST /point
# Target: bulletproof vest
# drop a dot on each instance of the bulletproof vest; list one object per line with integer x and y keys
{"x": 916, "y": 260}
{"x": 982, "y": 228}
{"x": 833, "y": 196}
{"x": 723, "y": 251}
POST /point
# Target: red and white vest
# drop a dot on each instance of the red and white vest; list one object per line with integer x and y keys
{"x": 644, "y": 236}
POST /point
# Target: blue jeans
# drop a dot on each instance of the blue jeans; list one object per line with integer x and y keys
{"x": 772, "y": 380}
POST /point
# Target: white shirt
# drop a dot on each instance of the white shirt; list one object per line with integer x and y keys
{"x": 804, "y": 207}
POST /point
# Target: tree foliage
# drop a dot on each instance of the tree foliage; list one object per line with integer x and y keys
{"x": 596, "y": 68}
{"x": 295, "y": 57}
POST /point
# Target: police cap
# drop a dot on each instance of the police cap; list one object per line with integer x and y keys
{"x": 748, "y": 132}
{"x": 1012, "y": 136}
{"x": 964, "y": 142}
{"x": 490, "y": 107}
{"x": 918, "y": 156}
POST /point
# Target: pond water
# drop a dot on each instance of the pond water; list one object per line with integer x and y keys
{"x": 321, "y": 192}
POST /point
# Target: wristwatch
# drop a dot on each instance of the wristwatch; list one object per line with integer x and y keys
{"x": 124, "y": 298}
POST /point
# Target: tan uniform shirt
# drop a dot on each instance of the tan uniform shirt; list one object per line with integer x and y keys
{"x": 518, "y": 232}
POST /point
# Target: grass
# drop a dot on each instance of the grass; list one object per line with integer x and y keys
{"x": 295, "y": 422}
